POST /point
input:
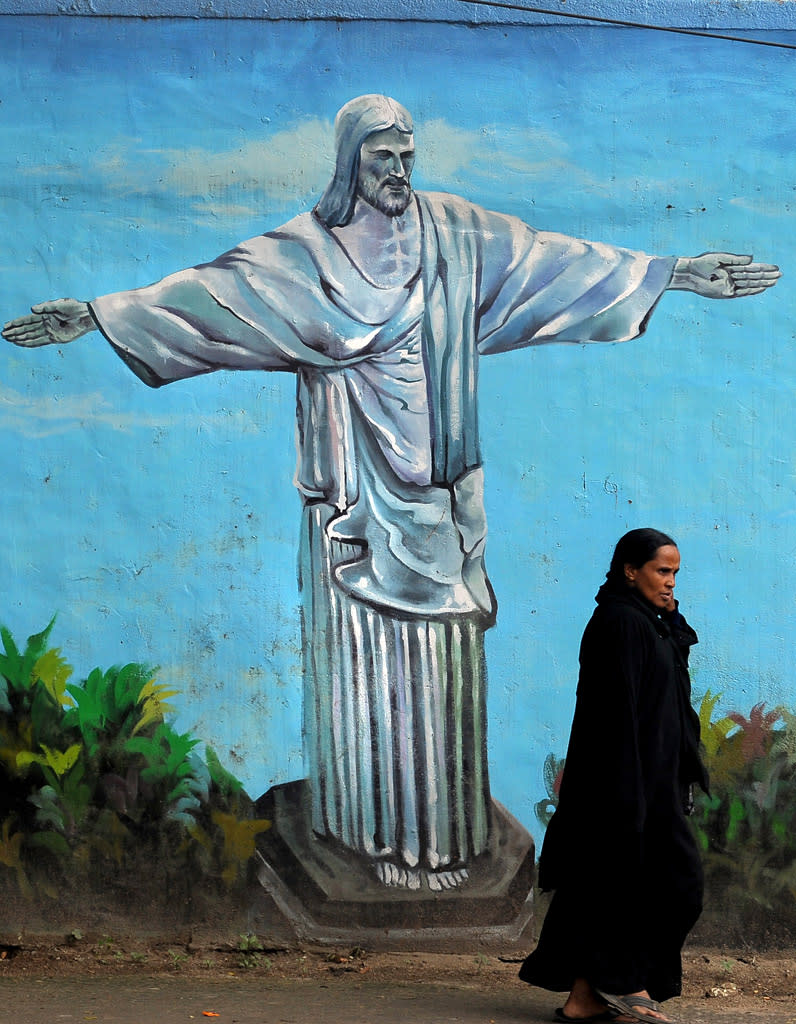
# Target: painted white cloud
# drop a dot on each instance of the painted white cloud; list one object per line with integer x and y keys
{"x": 445, "y": 151}
{"x": 294, "y": 165}
{"x": 281, "y": 166}
{"x": 47, "y": 416}
{"x": 764, "y": 206}
{"x": 55, "y": 172}
{"x": 493, "y": 153}
{"x": 299, "y": 161}
{"x": 287, "y": 165}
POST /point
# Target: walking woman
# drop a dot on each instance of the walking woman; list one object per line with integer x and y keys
{"x": 619, "y": 853}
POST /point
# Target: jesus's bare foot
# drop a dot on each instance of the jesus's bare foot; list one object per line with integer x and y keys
{"x": 396, "y": 876}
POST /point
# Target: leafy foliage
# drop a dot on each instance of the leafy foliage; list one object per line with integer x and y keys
{"x": 746, "y": 828}
{"x": 553, "y": 770}
{"x": 93, "y": 776}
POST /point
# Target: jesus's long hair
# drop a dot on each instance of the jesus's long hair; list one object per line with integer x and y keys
{"x": 355, "y": 122}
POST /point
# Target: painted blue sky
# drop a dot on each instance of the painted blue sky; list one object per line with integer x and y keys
{"x": 161, "y": 526}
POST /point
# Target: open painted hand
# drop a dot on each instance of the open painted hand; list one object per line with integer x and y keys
{"x": 50, "y": 323}
{"x": 723, "y": 275}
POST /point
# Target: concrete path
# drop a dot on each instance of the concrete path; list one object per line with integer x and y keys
{"x": 173, "y": 1000}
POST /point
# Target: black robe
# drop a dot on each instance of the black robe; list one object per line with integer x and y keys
{"x": 619, "y": 851}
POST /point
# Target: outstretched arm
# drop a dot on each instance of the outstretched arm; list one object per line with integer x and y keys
{"x": 50, "y": 323}
{"x": 722, "y": 275}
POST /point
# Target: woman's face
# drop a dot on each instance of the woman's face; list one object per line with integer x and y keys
{"x": 655, "y": 579}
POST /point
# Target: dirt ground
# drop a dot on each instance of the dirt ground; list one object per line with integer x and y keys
{"x": 736, "y": 983}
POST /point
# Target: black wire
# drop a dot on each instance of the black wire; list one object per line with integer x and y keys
{"x": 629, "y": 24}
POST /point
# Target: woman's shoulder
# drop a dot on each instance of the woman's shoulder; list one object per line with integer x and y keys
{"x": 620, "y": 605}
{"x": 622, "y": 616}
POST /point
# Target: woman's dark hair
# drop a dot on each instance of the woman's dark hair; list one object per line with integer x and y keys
{"x": 636, "y": 548}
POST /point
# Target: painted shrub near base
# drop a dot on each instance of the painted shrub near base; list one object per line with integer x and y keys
{"x": 99, "y": 792}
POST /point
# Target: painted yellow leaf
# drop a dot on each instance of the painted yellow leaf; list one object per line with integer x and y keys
{"x": 16, "y": 742}
{"x": 152, "y": 700}
{"x": 10, "y": 855}
{"x": 10, "y": 846}
{"x": 60, "y": 761}
{"x": 54, "y": 671}
{"x": 199, "y": 835}
{"x": 110, "y": 836}
{"x": 239, "y": 840}
{"x": 713, "y": 733}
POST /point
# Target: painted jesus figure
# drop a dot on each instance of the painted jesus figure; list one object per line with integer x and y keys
{"x": 382, "y": 300}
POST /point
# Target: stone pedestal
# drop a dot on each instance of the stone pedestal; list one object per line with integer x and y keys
{"x": 330, "y": 895}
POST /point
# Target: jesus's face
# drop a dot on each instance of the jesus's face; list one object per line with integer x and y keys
{"x": 385, "y": 167}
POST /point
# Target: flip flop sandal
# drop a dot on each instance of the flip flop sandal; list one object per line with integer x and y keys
{"x": 635, "y": 1006}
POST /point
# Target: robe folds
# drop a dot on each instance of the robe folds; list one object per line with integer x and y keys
{"x": 395, "y": 595}
{"x": 619, "y": 853}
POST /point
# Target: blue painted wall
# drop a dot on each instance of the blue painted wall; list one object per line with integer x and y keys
{"x": 161, "y": 526}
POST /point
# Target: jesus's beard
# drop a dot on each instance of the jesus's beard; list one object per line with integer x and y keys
{"x": 385, "y": 197}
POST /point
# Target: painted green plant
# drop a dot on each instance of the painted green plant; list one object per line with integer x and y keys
{"x": 746, "y": 826}
{"x": 94, "y": 780}
{"x": 553, "y": 770}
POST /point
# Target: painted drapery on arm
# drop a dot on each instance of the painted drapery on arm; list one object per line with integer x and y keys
{"x": 494, "y": 284}
{"x": 262, "y": 305}
{"x": 258, "y": 307}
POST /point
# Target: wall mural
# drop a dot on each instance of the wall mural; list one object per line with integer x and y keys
{"x": 380, "y": 297}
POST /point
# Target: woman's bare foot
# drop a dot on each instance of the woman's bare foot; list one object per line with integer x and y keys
{"x": 583, "y": 1003}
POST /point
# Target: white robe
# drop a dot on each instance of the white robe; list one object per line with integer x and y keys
{"x": 395, "y": 593}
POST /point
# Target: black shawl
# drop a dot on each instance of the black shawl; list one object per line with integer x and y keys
{"x": 634, "y": 746}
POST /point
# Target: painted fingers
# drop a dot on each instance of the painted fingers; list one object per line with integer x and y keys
{"x": 50, "y": 323}
{"x": 751, "y": 278}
